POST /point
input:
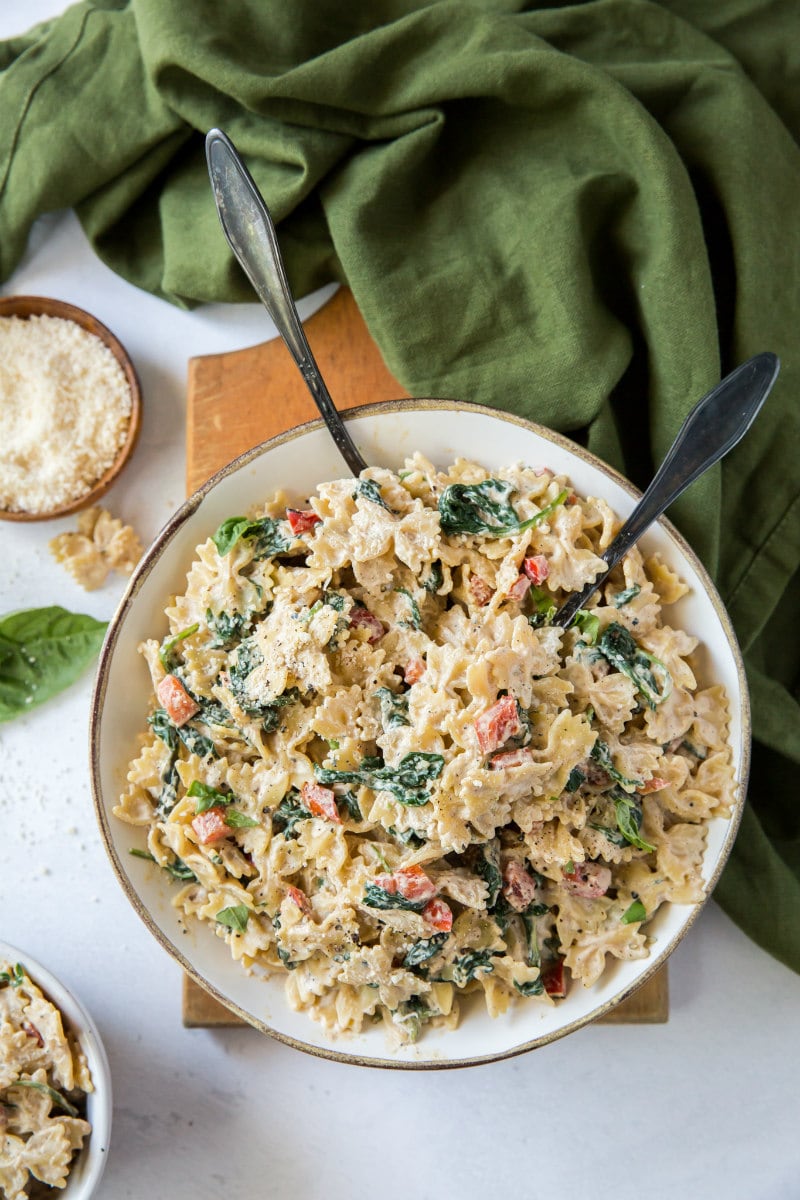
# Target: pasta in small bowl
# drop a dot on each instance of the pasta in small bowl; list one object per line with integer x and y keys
{"x": 357, "y": 782}
{"x": 55, "y": 1086}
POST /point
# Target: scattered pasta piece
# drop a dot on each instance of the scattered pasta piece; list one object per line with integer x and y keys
{"x": 101, "y": 545}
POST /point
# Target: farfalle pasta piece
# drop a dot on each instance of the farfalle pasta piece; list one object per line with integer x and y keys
{"x": 102, "y": 544}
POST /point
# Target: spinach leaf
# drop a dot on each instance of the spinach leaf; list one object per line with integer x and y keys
{"x": 629, "y": 819}
{"x": 543, "y": 606}
{"x": 235, "y": 917}
{"x": 287, "y": 815}
{"x": 370, "y": 490}
{"x": 55, "y": 1097}
{"x": 208, "y": 797}
{"x": 408, "y": 837}
{"x": 698, "y": 751}
{"x": 269, "y": 536}
{"x": 613, "y": 835}
{"x": 421, "y": 951}
{"x": 348, "y": 802}
{"x": 334, "y": 600}
{"x": 434, "y": 580}
{"x": 15, "y": 977}
{"x": 635, "y": 912}
{"x": 177, "y": 868}
{"x": 416, "y": 620}
{"x": 646, "y": 671}
{"x": 272, "y": 711}
{"x": 164, "y": 729}
{"x": 196, "y": 742}
{"x": 532, "y": 956}
{"x": 588, "y": 624}
{"x": 411, "y": 1015}
{"x": 377, "y": 897}
{"x": 531, "y": 987}
{"x": 248, "y": 657}
{"x": 394, "y": 708}
{"x": 43, "y": 651}
{"x": 487, "y": 866}
{"x": 406, "y": 781}
{"x": 213, "y": 713}
{"x": 465, "y": 968}
{"x": 484, "y": 509}
{"x": 283, "y": 954}
{"x": 226, "y": 627}
{"x": 576, "y": 778}
{"x": 167, "y": 656}
{"x": 602, "y": 756}
{"x": 626, "y": 596}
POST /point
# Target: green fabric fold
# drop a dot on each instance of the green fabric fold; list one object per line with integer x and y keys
{"x": 580, "y": 213}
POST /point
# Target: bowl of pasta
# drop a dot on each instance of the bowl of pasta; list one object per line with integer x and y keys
{"x": 55, "y": 1085}
{"x": 358, "y": 784}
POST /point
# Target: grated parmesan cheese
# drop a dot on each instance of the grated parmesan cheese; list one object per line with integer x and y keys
{"x": 65, "y": 408}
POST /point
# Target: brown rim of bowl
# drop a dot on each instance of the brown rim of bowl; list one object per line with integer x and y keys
{"x": 44, "y": 306}
{"x": 161, "y": 544}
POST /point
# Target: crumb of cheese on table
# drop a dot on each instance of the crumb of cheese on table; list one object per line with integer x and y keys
{"x": 101, "y": 545}
{"x": 65, "y": 409}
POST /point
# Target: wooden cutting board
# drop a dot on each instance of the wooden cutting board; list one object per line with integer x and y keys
{"x": 239, "y": 399}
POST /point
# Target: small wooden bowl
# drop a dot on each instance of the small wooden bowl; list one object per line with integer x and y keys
{"x": 42, "y": 306}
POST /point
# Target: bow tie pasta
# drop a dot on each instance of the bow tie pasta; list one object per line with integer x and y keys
{"x": 375, "y": 766}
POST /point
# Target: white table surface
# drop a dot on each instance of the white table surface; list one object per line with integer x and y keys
{"x": 704, "y": 1106}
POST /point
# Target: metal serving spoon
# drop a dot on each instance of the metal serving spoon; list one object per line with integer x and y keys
{"x": 712, "y": 428}
{"x": 251, "y": 234}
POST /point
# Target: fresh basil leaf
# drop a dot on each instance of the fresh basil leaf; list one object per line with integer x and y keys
{"x": 239, "y": 820}
{"x": 626, "y": 596}
{"x": 415, "y": 621}
{"x": 43, "y": 651}
{"x": 406, "y": 781}
{"x": 268, "y": 535}
{"x": 635, "y": 912}
{"x": 484, "y": 509}
{"x": 648, "y": 673}
{"x": 235, "y": 917}
{"x": 588, "y": 624}
{"x": 602, "y": 756}
{"x": 543, "y": 606}
{"x": 208, "y": 797}
{"x": 421, "y": 951}
{"x": 15, "y": 977}
{"x": 55, "y": 1097}
{"x": 167, "y": 657}
{"x": 394, "y": 708}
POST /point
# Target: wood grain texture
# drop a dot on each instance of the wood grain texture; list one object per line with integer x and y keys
{"x": 239, "y": 399}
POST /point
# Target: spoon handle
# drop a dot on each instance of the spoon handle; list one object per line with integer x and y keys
{"x": 712, "y": 428}
{"x": 251, "y": 235}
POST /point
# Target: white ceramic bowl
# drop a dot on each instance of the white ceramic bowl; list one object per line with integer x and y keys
{"x": 89, "y": 1164}
{"x": 298, "y": 461}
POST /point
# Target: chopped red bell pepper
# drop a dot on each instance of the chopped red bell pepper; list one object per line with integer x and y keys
{"x": 298, "y": 897}
{"x": 536, "y": 568}
{"x": 302, "y": 520}
{"x": 497, "y": 724}
{"x": 321, "y": 801}
{"x": 211, "y": 826}
{"x": 510, "y": 758}
{"x": 173, "y": 697}
{"x": 438, "y": 914}
{"x": 363, "y": 618}
{"x": 553, "y": 979}
{"x": 414, "y": 671}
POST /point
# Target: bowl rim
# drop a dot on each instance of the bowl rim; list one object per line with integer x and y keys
{"x": 153, "y": 555}
{"x": 78, "y": 1019}
{"x": 26, "y": 306}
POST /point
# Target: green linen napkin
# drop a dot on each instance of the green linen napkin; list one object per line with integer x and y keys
{"x": 581, "y": 213}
